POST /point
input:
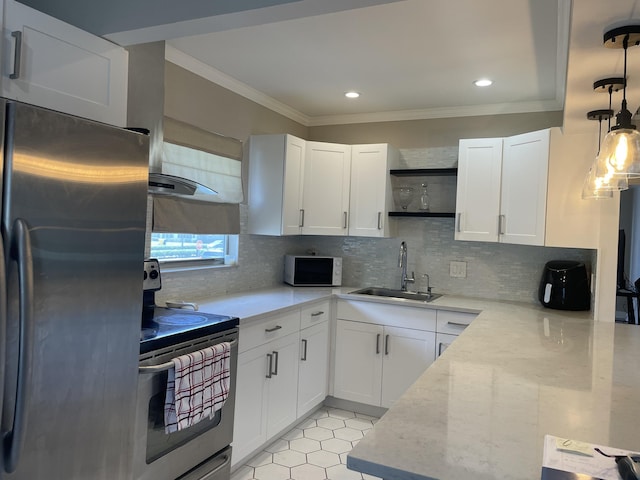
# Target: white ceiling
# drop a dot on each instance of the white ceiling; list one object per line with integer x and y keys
{"x": 408, "y": 58}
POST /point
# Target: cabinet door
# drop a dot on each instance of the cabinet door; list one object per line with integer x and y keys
{"x": 282, "y": 387}
{"x": 293, "y": 181}
{"x": 61, "y": 67}
{"x": 407, "y": 354}
{"x": 250, "y": 420}
{"x": 370, "y": 196}
{"x": 478, "y": 191}
{"x": 358, "y": 365}
{"x": 525, "y": 163}
{"x": 443, "y": 340}
{"x": 326, "y": 189}
{"x": 314, "y": 362}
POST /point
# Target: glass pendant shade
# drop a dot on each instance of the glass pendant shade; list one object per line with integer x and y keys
{"x": 592, "y": 188}
{"x": 620, "y": 154}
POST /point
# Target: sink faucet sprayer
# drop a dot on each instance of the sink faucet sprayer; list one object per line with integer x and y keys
{"x": 402, "y": 263}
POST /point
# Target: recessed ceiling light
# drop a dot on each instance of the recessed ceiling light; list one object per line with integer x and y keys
{"x": 352, "y": 94}
{"x": 483, "y": 82}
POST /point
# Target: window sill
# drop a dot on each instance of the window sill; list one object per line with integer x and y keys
{"x": 169, "y": 267}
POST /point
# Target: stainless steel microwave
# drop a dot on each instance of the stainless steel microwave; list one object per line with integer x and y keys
{"x": 312, "y": 271}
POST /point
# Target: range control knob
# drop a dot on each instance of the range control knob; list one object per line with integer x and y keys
{"x": 153, "y": 274}
{"x": 145, "y": 275}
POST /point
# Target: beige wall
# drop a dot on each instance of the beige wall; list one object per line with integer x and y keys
{"x": 195, "y": 100}
{"x": 442, "y": 132}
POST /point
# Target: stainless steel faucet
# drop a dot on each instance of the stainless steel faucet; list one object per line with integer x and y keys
{"x": 402, "y": 263}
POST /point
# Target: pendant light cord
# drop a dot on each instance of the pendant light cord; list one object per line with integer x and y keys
{"x": 609, "y": 122}
{"x": 625, "y": 45}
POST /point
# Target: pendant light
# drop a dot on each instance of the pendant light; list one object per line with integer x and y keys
{"x": 620, "y": 152}
{"x": 594, "y": 187}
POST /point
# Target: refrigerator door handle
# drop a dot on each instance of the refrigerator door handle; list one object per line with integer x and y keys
{"x": 3, "y": 324}
{"x": 21, "y": 253}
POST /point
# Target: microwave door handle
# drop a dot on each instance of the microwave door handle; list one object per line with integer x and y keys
{"x": 21, "y": 252}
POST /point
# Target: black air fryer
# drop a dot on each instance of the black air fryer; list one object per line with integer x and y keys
{"x": 565, "y": 286}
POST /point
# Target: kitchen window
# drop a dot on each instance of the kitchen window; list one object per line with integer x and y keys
{"x": 190, "y": 249}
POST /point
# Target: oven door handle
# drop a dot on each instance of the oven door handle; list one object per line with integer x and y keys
{"x": 163, "y": 367}
{"x": 212, "y": 473}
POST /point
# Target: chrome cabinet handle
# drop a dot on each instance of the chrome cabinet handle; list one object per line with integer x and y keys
{"x": 377, "y": 344}
{"x": 304, "y": 350}
{"x": 440, "y": 349}
{"x": 275, "y": 370}
{"x": 379, "y": 220}
{"x": 386, "y": 344}
{"x": 345, "y": 224}
{"x": 212, "y": 474}
{"x": 317, "y": 314}
{"x": 21, "y": 252}
{"x": 270, "y": 369}
{"x": 17, "y": 56}
{"x": 459, "y": 227}
{"x": 301, "y": 218}
{"x": 501, "y": 221}
{"x": 273, "y": 329}
{"x": 457, "y": 324}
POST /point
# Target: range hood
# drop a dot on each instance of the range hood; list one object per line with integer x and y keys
{"x": 174, "y": 145}
{"x": 163, "y": 184}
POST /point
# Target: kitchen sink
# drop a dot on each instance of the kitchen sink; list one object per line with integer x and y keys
{"x": 392, "y": 293}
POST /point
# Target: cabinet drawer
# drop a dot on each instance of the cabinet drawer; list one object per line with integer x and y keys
{"x": 454, "y": 322}
{"x": 314, "y": 314}
{"x": 268, "y": 329}
{"x": 385, "y": 314}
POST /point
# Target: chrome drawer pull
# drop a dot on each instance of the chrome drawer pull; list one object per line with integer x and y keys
{"x": 304, "y": 350}
{"x": 316, "y": 314}
{"x": 269, "y": 330}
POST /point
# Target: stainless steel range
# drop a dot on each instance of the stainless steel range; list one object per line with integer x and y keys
{"x": 199, "y": 452}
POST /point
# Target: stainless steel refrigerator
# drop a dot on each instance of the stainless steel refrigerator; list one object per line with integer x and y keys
{"x": 73, "y": 226}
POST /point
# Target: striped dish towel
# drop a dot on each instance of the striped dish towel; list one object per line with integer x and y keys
{"x": 197, "y": 386}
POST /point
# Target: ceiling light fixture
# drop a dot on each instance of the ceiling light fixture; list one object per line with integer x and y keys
{"x": 620, "y": 153}
{"x": 352, "y": 94}
{"x": 483, "y": 82}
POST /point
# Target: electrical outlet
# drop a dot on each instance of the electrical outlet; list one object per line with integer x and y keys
{"x": 458, "y": 269}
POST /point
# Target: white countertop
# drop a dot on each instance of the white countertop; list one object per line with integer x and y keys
{"x": 482, "y": 409}
{"x": 517, "y": 373}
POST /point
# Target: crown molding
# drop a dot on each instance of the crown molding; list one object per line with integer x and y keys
{"x": 214, "y": 75}
{"x": 194, "y": 65}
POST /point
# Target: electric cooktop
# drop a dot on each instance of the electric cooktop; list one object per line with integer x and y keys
{"x": 162, "y": 326}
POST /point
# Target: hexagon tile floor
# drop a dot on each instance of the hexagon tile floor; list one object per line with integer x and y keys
{"x": 315, "y": 449}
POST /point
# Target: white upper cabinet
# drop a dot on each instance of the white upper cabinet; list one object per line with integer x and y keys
{"x": 325, "y": 200}
{"x": 502, "y": 189}
{"x": 371, "y": 195}
{"x": 276, "y": 176}
{"x": 525, "y": 163}
{"x": 478, "y": 192}
{"x": 52, "y": 64}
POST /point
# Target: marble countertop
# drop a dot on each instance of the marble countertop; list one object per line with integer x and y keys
{"x": 516, "y": 373}
{"x": 482, "y": 409}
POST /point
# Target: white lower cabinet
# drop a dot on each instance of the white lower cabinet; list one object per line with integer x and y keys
{"x": 375, "y": 364}
{"x": 381, "y": 350}
{"x": 314, "y": 367}
{"x": 282, "y": 374}
{"x": 407, "y": 354}
{"x": 266, "y": 393}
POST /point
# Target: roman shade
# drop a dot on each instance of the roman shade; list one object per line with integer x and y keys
{"x": 207, "y": 158}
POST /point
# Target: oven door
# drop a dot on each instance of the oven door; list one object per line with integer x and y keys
{"x": 162, "y": 455}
